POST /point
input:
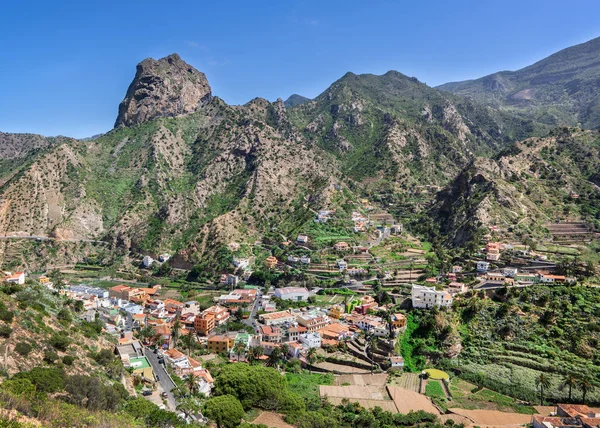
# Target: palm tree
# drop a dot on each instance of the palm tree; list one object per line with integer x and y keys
{"x": 285, "y": 350}
{"x": 255, "y": 353}
{"x": 175, "y": 329}
{"x": 238, "y": 349}
{"x": 191, "y": 384}
{"x": 311, "y": 357}
{"x": 189, "y": 342}
{"x": 189, "y": 406}
{"x": 274, "y": 358}
{"x": 585, "y": 386}
{"x": 569, "y": 381}
{"x": 372, "y": 345}
{"x": 146, "y": 332}
{"x": 543, "y": 382}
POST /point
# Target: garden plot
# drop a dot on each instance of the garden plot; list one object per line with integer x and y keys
{"x": 493, "y": 417}
{"x": 368, "y": 396}
{"x": 410, "y": 381}
{"x": 272, "y": 420}
{"x": 361, "y": 380}
{"x": 406, "y": 401}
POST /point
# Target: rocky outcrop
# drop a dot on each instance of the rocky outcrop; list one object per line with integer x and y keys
{"x": 164, "y": 88}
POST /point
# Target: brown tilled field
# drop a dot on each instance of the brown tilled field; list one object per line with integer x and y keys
{"x": 493, "y": 417}
{"x": 353, "y": 392}
{"x": 406, "y": 401}
{"x": 272, "y": 420}
{"x": 361, "y": 380}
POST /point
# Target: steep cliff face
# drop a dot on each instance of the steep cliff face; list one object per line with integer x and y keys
{"x": 163, "y": 88}
{"x": 528, "y": 185}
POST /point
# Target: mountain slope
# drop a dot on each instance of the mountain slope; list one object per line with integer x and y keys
{"x": 189, "y": 184}
{"x": 562, "y": 89}
{"x": 397, "y": 129}
{"x": 530, "y": 184}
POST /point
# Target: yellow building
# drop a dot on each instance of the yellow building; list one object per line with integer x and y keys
{"x": 142, "y": 366}
{"x": 336, "y": 312}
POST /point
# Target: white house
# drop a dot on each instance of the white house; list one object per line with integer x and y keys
{"x": 305, "y": 260}
{"x": 302, "y": 239}
{"x": 457, "y": 269}
{"x": 292, "y": 293}
{"x": 510, "y": 271}
{"x": 397, "y": 362}
{"x": 241, "y": 263}
{"x": 293, "y": 259}
{"x": 147, "y": 261}
{"x": 483, "y": 266}
{"x": 341, "y": 264}
{"x": 428, "y": 297}
{"x": 16, "y": 278}
{"x": 311, "y": 340}
{"x": 457, "y": 288}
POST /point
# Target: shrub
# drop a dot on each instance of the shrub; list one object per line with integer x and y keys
{"x": 5, "y": 331}
{"x": 60, "y": 341}
{"x": 103, "y": 357}
{"x": 23, "y": 348}
{"x": 45, "y": 379}
{"x": 50, "y": 356}
{"x": 68, "y": 360}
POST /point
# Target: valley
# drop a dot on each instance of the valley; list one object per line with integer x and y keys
{"x": 386, "y": 254}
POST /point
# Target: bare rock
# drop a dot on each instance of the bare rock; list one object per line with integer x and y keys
{"x": 167, "y": 87}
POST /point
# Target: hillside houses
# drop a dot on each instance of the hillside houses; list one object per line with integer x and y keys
{"x": 429, "y": 297}
{"x": 15, "y": 278}
{"x": 185, "y": 366}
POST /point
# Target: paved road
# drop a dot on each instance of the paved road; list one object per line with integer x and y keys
{"x": 46, "y": 238}
{"x": 165, "y": 381}
{"x": 250, "y": 321}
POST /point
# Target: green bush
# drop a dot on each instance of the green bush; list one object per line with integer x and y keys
{"x": 23, "y": 348}
{"x": 45, "y": 379}
{"x": 59, "y": 341}
{"x": 5, "y": 331}
{"x": 50, "y": 356}
{"x": 68, "y": 360}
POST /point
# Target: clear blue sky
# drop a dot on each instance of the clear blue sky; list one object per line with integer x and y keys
{"x": 65, "y": 66}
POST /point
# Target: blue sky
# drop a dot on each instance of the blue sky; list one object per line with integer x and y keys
{"x": 65, "y": 66}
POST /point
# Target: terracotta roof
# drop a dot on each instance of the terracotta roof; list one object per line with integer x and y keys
{"x": 174, "y": 353}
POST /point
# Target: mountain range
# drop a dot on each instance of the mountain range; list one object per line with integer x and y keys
{"x": 562, "y": 89}
{"x": 184, "y": 172}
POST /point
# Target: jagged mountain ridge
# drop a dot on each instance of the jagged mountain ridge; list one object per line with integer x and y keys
{"x": 185, "y": 172}
{"x": 562, "y": 89}
{"x": 396, "y": 128}
{"x": 526, "y": 186}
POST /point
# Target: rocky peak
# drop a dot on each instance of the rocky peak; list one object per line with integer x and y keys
{"x": 165, "y": 87}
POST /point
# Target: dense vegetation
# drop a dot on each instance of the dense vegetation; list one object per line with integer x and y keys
{"x": 512, "y": 338}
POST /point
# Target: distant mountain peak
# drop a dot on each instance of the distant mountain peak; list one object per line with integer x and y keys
{"x": 165, "y": 87}
{"x": 295, "y": 100}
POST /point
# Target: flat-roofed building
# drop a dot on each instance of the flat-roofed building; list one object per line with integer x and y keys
{"x": 292, "y": 293}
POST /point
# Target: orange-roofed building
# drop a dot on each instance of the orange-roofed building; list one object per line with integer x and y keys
{"x": 271, "y": 262}
{"x": 341, "y": 246}
{"x": 220, "y": 344}
{"x": 204, "y": 323}
{"x": 173, "y": 306}
{"x": 398, "y": 320}
{"x": 16, "y": 278}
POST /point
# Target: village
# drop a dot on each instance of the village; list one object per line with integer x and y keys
{"x": 348, "y": 319}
